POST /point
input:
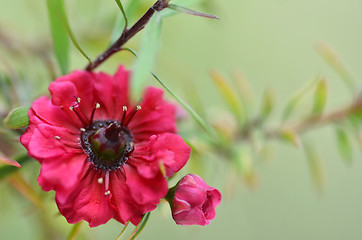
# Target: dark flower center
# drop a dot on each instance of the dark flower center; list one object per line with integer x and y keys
{"x": 108, "y": 144}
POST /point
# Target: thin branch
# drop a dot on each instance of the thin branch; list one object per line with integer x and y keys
{"x": 318, "y": 120}
{"x": 128, "y": 34}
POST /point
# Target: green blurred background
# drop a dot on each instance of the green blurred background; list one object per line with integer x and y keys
{"x": 273, "y": 42}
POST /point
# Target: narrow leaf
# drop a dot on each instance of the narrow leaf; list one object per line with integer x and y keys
{"x": 184, "y": 3}
{"x": 243, "y": 164}
{"x": 141, "y": 225}
{"x": 7, "y": 170}
{"x": 335, "y": 62}
{"x": 296, "y": 99}
{"x": 189, "y": 109}
{"x": 26, "y": 190}
{"x": 120, "y": 5}
{"x": 123, "y": 230}
{"x": 244, "y": 92}
{"x": 56, "y": 12}
{"x": 121, "y": 22}
{"x": 315, "y": 165}
{"x": 147, "y": 55}
{"x": 75, "y": 231}
{"x": 230, "y": 96}
{"x": 344, "y": 145}
{"x": 190, "y": 11}
{"x": 320, "y": 97}
{"x": 17, "y": 118}
{"x": 267, "y": 104}
{"x": 289, "y": 135}
{"x": 8, "y": 161}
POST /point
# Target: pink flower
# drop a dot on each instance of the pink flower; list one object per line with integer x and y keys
{"x": 104, "y": 156}
{"x": 194, "y": 202}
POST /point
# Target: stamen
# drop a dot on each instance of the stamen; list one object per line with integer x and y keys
{"x": 138, "y": 107}
{"x": 82, "y": 129}
{"x": 82, "y": 119}
{"x": 57, "y": 137}
{"x": 107, "y": 193}
{"x": 100, "y": 180}
{"x": 78, "y": 99}
{"x": 94, "y": 110}
{"x": 124, "y": 114}
{"x": 106, "y": 182}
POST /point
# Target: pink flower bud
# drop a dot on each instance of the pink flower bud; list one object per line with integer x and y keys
{"x": 194, "y": 202}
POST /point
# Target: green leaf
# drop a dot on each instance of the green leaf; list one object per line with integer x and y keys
{"x": 230, "y": 96}
{"x": 267, "y": 104}
{"x": 147, "y": 55}
{"x": 296, "y": 99}
{"x": 190, "y": 11}
{"x": 336, "y": 64}
{"x": 123, "y": 230}
{"x": 243, "y": 164}
{"x": 27, "y": 190}
{"x": 189, "y": 109}
{"x": 344, "y": 145}
{"x": 244, "y": 91}
{"x": 290, "y": 136}
{"x": 17, "y": 118}
{"x": 320, "y": 97}
{"x": 9, "y": 161}
{"x": 59, "y": 33}
{"x": 75, "y": 231}
{"x": 7, "y": 170}
{"x": 315, "y": 165}
{"x": 209, "y": 130}
{"x": 120, "y": 23}
{"x": 141, "y": 225}
{"x": 183, "y": 3}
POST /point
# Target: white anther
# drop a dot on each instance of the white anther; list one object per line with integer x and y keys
{"x": 124, "y": 108}
{"x": 107, "y": 193}
{"x": 100, "y": 180}
{"x": 78, "y": 99}
{"x": 138, "y": 107}
{"x": 83, "y": 129}
{"x": 71, "y": 108}
{"x": 57, "y": 137}
{"x": 98, "y": 105}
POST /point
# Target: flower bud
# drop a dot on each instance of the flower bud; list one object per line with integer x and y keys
{"x": 192, "y": 201}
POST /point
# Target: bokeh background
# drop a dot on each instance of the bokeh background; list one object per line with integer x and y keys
{"x": 273, "y": 43}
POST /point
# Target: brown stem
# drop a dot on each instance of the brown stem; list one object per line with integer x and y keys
{"x": 318, "y": 120}
{"x": 128, "y": 34}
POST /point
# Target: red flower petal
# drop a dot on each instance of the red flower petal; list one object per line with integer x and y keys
{"x": 171, "y": 150}
{"x": 88, "y": 201}
{"x": 144, "y": 190}
{"x": 156, "y": 116}
{"x": 61, "y": 174}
